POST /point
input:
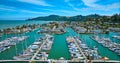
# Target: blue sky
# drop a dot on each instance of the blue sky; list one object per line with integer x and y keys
{"x": 24, "y": 9}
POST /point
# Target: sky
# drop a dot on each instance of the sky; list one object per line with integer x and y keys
{"x": 24, "y": 9}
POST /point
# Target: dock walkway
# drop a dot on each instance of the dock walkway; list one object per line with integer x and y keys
{"x": 37, "y": 51}
{"x": 80, "y": 49}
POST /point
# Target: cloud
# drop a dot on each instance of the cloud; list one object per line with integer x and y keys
{"x": 36, "y": 2}
{"x": 14, "y": 9}
{"x": 6, "y": 8}
{"x": 113, "y": 6}
{"x": 92, "y": 4}
{"x": 62, "y": 11}
{"x": 71, "y": 5}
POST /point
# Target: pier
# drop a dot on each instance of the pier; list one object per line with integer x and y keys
{"x": 80, "y": 49}
{"x": 37, "y": 51}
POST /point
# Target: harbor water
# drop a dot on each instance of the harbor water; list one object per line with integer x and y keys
{"x": 59, "y": 48}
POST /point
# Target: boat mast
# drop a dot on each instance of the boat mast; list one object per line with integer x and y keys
{"x": 25, "y": 42}
{"x": 16, "y": 47}
{"x": 22, "y": 44}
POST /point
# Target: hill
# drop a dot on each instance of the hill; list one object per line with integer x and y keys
{"x": 92, "y": 17}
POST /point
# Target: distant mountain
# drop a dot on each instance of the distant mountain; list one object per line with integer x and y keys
{"x": 92, "y": 17}
{"x": 50, "y": 17}
{"x": 63, "y": 18}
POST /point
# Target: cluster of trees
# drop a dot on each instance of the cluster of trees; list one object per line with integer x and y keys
{"x": 113, "y": 18}
{"x": 92, "y": 17}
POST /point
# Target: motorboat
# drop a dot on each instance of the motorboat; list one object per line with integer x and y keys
{"x": 117, "y": 37}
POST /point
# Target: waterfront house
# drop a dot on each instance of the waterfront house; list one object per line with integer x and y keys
{"x": 80, "y": 29}
{"x": 15, "y": 31}
{"x": 114, "y": 29}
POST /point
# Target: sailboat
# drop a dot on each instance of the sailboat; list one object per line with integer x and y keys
{"x": 0, "y": 35}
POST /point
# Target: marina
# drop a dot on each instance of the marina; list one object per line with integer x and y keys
{"x": 9, "y": 42}
{"x": 47, "y": 48}
{"x": 59, "y": 31}
{"x": 75, "y": 50}
{"x": 34, "y": 50}
{"x": 108, "y": 44}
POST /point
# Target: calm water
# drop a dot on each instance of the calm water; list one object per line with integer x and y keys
{"x": 102, "y": 50}
{"x": 8, "y": 54}
{"x": 91, "y": 43}
{"x": 59, "y": 47}
{"x": 12, "y": 24}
